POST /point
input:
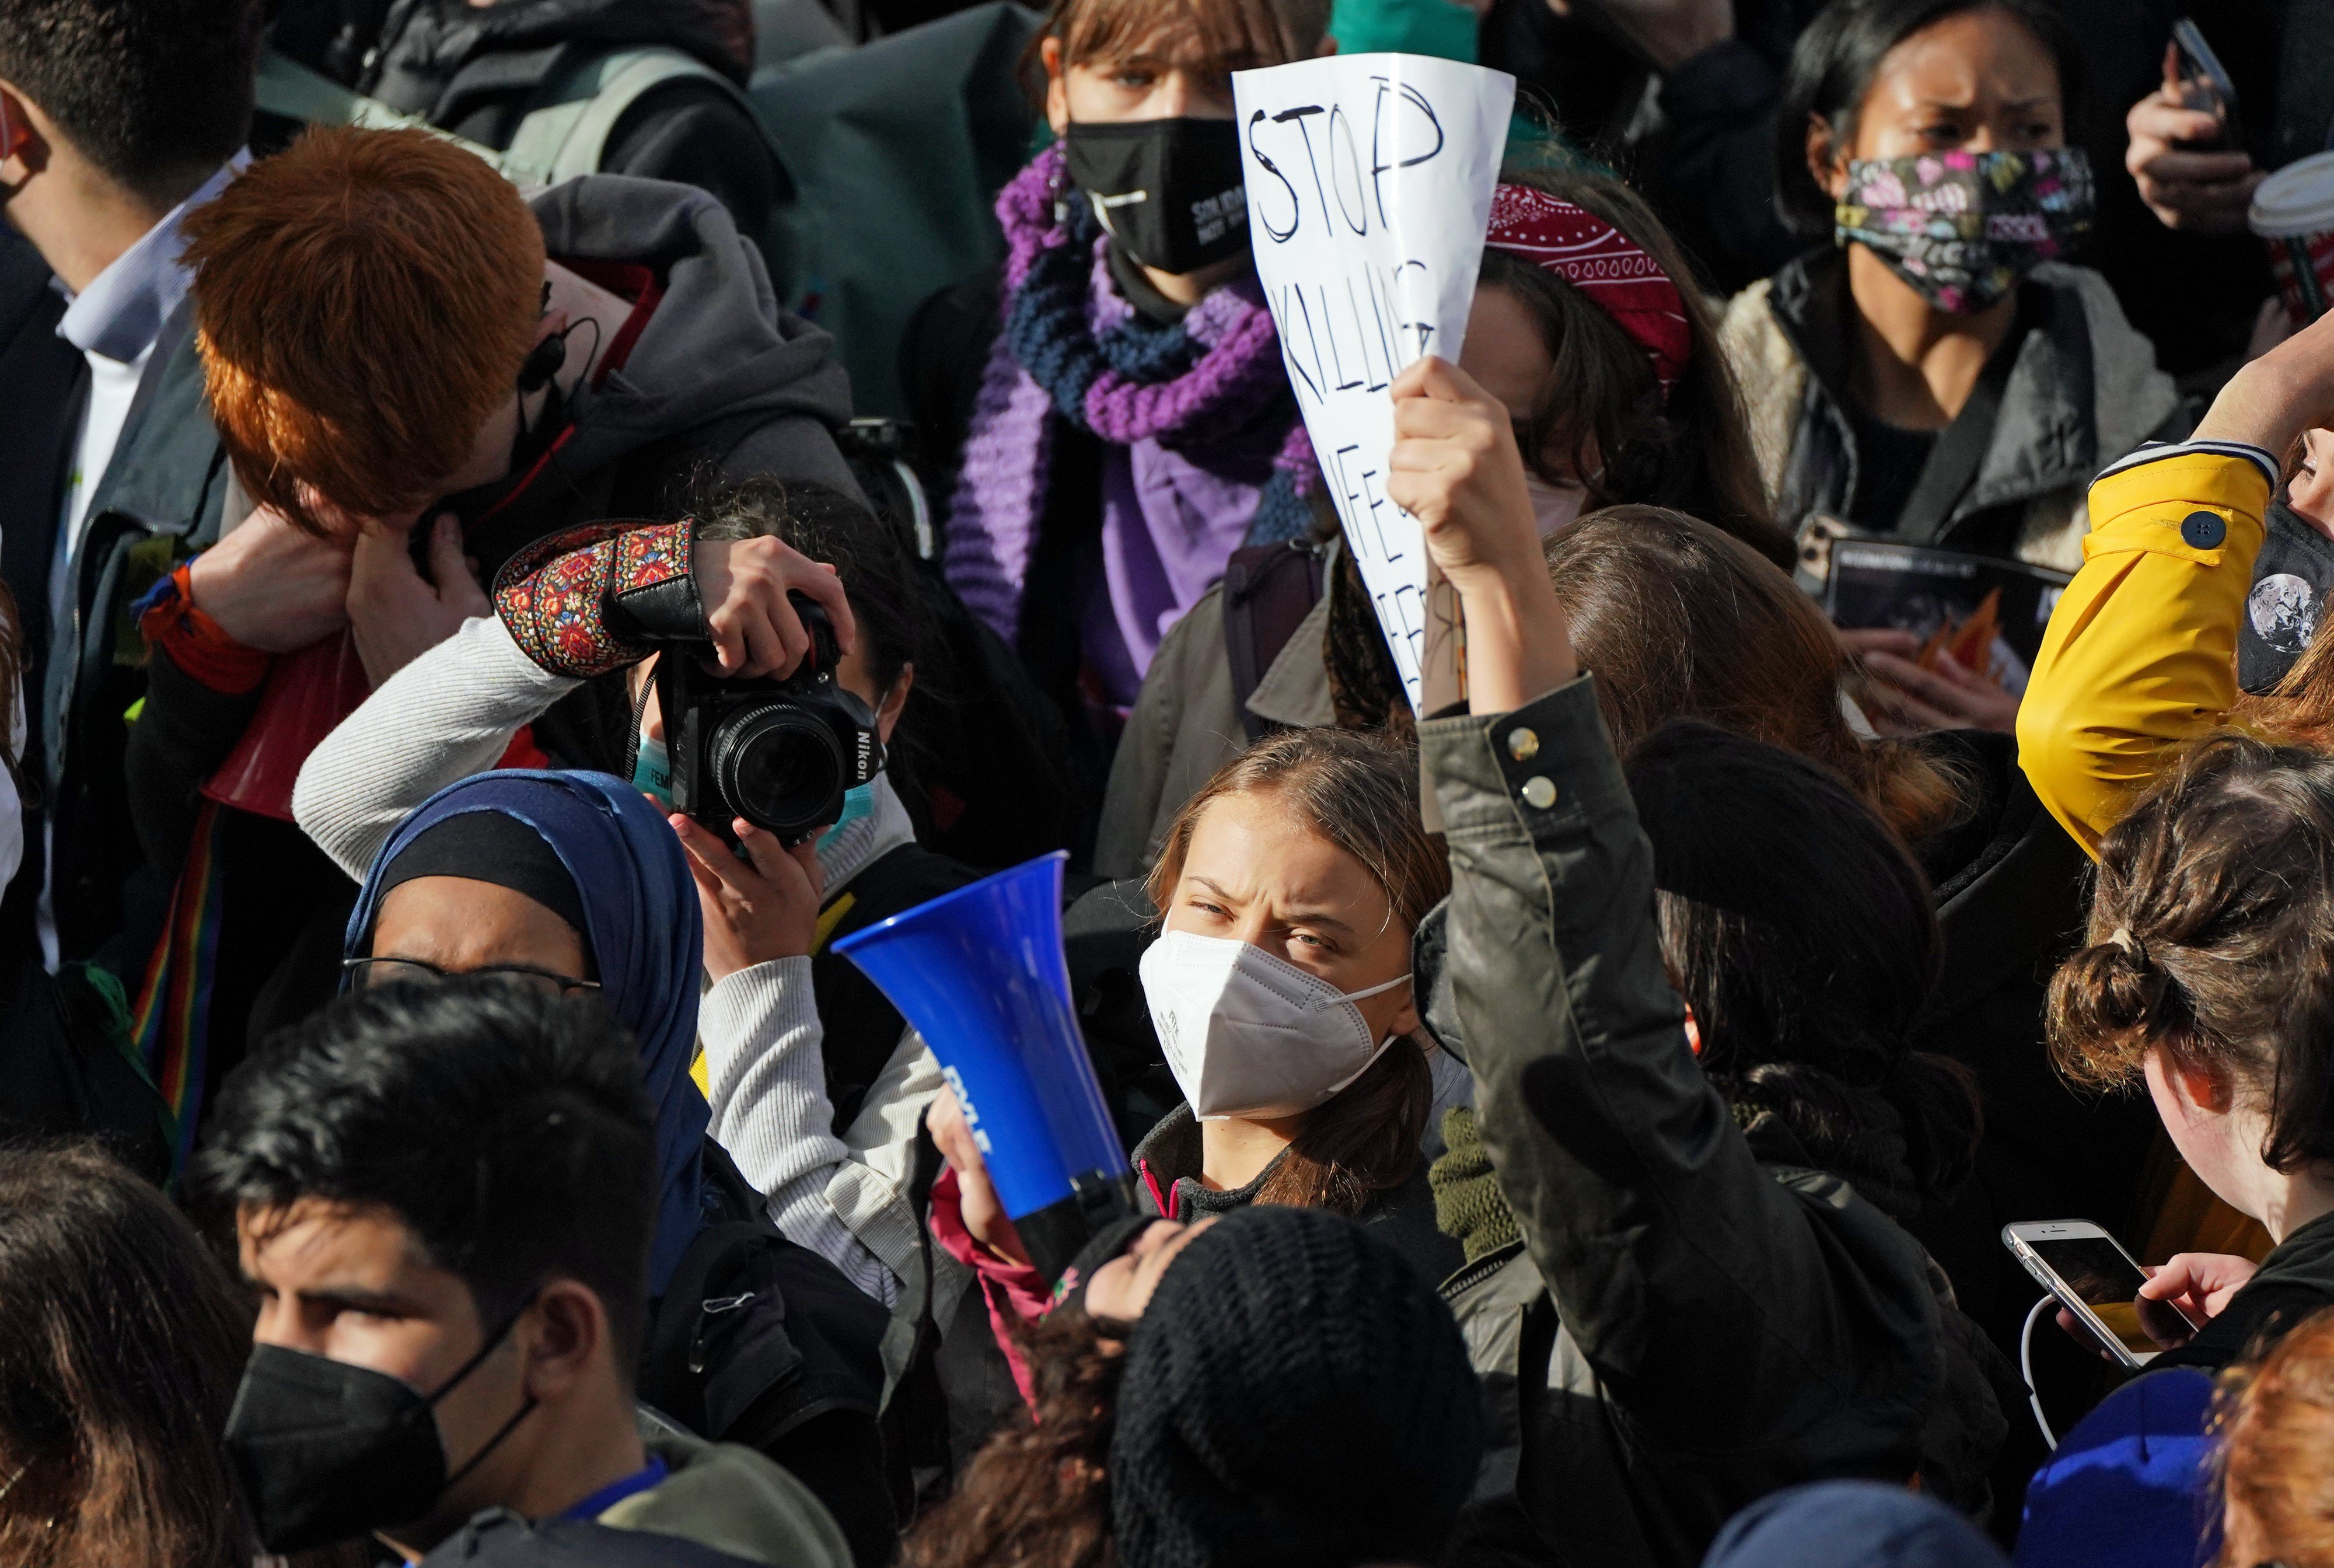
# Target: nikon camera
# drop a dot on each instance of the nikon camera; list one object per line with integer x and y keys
{"x": 781, "y": 754}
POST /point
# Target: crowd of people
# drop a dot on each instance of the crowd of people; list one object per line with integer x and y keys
{"x": 474, "y": 658}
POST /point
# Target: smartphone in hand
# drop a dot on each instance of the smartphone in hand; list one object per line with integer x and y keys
{"x": 2206, "y": 86}
{"x": 2099, "y": 1283}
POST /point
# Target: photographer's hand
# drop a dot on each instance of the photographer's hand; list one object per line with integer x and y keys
{"x": 754, "y": 913}
{"x": 743, "y": 584}
{"x": 397, "y": 613}
{"x": 272, "y": 585}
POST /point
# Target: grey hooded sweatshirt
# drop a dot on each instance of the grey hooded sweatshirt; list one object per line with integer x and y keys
{"x": 722, "y": 383}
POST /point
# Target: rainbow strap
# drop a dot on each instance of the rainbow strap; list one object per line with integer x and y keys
{"x": 171, "y": 1025}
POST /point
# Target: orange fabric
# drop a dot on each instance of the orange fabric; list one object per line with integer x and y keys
{"x": 198, "y": 645}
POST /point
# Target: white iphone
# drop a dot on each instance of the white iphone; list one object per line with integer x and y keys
{"x": 2096, "y": 1280}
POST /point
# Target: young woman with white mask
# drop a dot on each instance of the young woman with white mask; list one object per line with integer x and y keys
{"x": 1289, "y": 889}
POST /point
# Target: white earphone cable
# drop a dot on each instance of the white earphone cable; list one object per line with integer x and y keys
{"x": 2026, "y": 1366}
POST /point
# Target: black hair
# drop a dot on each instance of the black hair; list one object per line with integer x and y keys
{"x": 504, "y": 1128}
{"x": 150, "y": 91}
{"x": 121, "y": 1339}
{"x": 881, "y": 577}
{"x": 895, "y": 626}
{"x": 1802, "y": 934}
{"x": 1831, "y": 71}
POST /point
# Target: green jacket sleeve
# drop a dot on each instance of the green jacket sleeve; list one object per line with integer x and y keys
{"x": 1723, "y": 1310}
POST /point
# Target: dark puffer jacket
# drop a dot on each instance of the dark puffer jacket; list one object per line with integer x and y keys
{"x": 1692, "y": 1317}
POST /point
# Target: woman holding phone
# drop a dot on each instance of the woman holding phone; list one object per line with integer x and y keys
{"x": 1936, "y": 373}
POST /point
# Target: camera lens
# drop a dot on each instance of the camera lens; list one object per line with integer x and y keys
{"x": 778, "y": 768}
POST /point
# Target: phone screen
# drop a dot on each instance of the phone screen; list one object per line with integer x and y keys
{"x": 2098, "y": 1273}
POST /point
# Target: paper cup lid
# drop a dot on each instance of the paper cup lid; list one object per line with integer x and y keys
{"x": 2296, "y": 199}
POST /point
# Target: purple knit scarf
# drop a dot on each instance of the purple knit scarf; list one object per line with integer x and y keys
{"x": 1234, "y": 375}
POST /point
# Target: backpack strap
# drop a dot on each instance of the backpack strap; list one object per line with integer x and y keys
{"x": 568, "y": 123}
{"x": 291, "y": 91}
{"x": 1268, "y": 590}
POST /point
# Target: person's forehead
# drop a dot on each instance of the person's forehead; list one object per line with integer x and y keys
{"x": 317, "y": 1244}
{"x": 1175, "y": 42}
{"x": 1967, "y": 55}
{"x": 1252, "y": 843}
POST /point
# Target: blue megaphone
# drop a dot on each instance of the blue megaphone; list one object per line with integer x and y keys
{"x": 980, "y": 974}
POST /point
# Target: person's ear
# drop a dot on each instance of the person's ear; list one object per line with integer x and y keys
{"x": 570, "y": 1331}
{"x": 1058, "y": 91}
{"x": 1827, "y": 161}
{"x": 23, "y": 152}
{"x": 2201, "y": 1087}
{"x": 895, "y": 703}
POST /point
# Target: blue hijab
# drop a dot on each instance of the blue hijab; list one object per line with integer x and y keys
{"x": 644, "y": 932}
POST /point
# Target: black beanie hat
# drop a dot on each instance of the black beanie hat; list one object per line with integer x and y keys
{"x": 1295, "y": 1396}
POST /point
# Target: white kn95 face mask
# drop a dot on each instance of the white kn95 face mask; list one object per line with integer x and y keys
{"x": 1247, "y": 1034}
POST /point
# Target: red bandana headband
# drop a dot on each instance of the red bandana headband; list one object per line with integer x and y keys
{"x": 1602, "y": 263}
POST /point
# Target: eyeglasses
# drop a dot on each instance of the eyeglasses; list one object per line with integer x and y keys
{"x": 364, "y": 973}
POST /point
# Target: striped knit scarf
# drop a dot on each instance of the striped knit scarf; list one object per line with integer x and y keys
{"x": 1072, "y": 349}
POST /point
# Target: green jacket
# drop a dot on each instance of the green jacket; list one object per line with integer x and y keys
{"x": 735, "y": 1500}
{"x": 1691, "y": 1319}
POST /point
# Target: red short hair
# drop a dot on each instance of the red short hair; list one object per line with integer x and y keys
{"x": 363, "y": 301}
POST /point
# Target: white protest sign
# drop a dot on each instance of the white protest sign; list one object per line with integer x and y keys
{"x": 1369, "y": 191}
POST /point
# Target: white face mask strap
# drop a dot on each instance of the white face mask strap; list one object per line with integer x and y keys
{"x": 1347, "y": 1083}
{"x": 1376, "y": 990}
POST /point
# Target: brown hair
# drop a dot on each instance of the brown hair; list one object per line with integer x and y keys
{"x": 2209, "y": 928}
{"x": 1037, "y": 1494}
{"x": 1233, "y": 34}
{"x": 1680, "y": 621}
{"x": 1692, "y": 450}
{"x": 2299, "y": 710}
{"x": 120, "y": 1344}
{"x": 363, "y": 301}
{"x": 1360, "y": 793}
{"x": 2275, "y": 1418}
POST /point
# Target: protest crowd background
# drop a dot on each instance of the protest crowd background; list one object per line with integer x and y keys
{"x": 819, "y": 783}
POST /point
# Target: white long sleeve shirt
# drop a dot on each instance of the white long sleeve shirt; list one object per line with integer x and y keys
{"x": 452, "y": 712}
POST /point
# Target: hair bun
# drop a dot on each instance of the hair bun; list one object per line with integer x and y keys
{"x": 2107, "y": 994}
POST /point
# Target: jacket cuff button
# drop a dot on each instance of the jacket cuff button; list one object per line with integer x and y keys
{"x": 1538, "y": 793}
{"x": 1523, "y": 745}
{"x": 2203, "y": 530}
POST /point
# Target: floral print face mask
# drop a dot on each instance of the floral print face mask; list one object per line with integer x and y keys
{"x": 1963, "y": 228}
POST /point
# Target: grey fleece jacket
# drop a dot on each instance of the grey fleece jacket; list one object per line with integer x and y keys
{"x": 721, "y": 366}
{"x": 2084, "y": 390}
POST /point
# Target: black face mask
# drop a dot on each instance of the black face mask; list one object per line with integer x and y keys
{"x": 329, "y": 1451}
{"x": 1170, "y": 191}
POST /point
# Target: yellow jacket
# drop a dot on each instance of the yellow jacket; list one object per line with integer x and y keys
{"x": 2140, "y": 654}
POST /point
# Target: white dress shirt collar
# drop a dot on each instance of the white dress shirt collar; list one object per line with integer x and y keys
{"x": 121, "y": 311}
